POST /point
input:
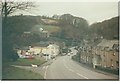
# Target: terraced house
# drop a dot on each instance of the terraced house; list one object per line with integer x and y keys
{"x": 109, "y": 53}
{"x": 105, "y": 54}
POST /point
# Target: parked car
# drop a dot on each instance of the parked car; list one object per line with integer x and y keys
{"x": 29, "y": 56}
{"x": 69, "y": 54}
{"x": 63, "y": 54}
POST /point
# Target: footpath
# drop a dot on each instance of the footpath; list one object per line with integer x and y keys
{"x": 96, "y": 70}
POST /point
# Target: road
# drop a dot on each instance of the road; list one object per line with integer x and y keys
{"x": 65, "y": 68}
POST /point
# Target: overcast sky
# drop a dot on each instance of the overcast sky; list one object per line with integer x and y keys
{"x": 91, "y": 11}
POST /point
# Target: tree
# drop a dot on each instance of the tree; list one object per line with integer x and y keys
{"x": 7, "y": 8}
{"x": 10, "y": 7}
{"x": 73, "y": 27}
{"x": 107, "y": 29}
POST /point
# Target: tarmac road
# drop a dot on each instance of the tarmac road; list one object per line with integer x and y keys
{"x": 65, "y": 68}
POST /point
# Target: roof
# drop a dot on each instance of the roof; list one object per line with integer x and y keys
{"x": 108, "y": 43}
{"x": 24, "y": 48}
{"x": 44, "y": 31}
{"x": 53, "y": 45}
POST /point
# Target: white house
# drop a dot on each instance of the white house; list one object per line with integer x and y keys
{"x": 51, "y": 51}
{"x": 48, "y": 52}
{"x": 35, "y": 50}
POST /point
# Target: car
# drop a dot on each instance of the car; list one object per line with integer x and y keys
{"x": 68, "y": 54}
{"x": 71, "y": 52}
{"x": 63, "y": 54}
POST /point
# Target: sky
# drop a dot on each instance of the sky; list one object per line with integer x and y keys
{"x": 91, "y": 11}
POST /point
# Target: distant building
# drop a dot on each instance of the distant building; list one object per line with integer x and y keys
{"x": 56, "y": 17}
{"x": 105, "y": 54}
{"x": 44, "y": 34}
{"x": 86, "y": 55}
{"x": 109, "y": 53}
{"x": 22, "y": 52}
{"x": 48, "y": 52}
{"x": 36, "y": 50}
{"x": 52, "y": 50}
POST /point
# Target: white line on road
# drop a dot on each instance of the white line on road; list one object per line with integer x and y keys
{"x": 43, "y": 67}
{"x": 81, "y": 75}
{"x": 45, "y": 72}
{"x": 71, "y": 70}
{"x": 68, "y": 68}
{"x": 75, "y": 72}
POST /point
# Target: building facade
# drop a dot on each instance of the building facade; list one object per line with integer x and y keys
{"x": 105, "y": 54}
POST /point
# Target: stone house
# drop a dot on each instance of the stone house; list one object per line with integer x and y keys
{"x": 109, "y": 53}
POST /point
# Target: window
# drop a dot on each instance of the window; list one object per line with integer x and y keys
{"x": 114, "y": 54}
{"x": 104, "y": 55}
{"x": 87, "y": 58}
{"x": 112, "y": 62}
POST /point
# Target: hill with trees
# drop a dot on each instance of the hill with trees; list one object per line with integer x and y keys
{"x": 72, "y": 27}
{"x": 108, "y": 29}
{"x": 68, "y": 27}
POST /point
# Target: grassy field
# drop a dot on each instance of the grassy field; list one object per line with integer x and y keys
{"x": 11, "y": 72}
{"x": 49, "y": 28}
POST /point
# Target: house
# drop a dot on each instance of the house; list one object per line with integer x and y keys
{"x": 53, "y": 50}
{"x": 23, "y": 52}
{"x": 86, "y": 55}
{"x": 108, "y": 51}
{"x": 44, "y": 34}
{"x": 36, "y": 50}
{"x": 48, "y": 52}
{"x": 105, "y": 54}
{"x": 96, "y": 60}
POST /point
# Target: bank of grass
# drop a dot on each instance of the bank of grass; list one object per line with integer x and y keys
{"x": 11, "y": 72}
{"x": 28, "y": 62}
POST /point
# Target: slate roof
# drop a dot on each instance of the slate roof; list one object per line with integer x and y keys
{"x": 108, "y": 43}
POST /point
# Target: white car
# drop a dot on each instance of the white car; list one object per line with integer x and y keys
{"x": 68, "y": 54}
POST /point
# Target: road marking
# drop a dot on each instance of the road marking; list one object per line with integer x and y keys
{"x": 45, "y": 72}
{"x": 43, "y": 67}
{"x": 68, "y": 68}
{"x": 65, "y": 66}
{"x": 71, "y": 70}
{"x": 74, "y": 71}
{"x": 81, "y": 75}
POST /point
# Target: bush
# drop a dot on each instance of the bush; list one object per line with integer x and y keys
{"x": 8, "y": 54}
{"x": 76, "y": 58}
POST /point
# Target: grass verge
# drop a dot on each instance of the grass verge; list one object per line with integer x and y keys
{"x": 11, "y": 72}
{"x": 28, "y": 62}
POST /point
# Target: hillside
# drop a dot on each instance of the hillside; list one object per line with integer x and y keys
{"x": 109, "y": 29}
{"x": 49, "y": 28}
{"x": 65, "y": 26}
{"x": 49, "y": 21}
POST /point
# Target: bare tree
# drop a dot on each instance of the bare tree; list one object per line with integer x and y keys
{"x": 8, "y": 8}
